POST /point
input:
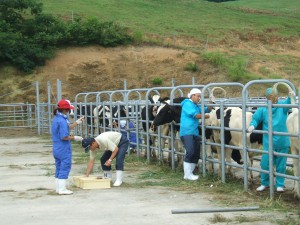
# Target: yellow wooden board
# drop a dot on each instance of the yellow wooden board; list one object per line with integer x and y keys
{"x": 91, "y": 182}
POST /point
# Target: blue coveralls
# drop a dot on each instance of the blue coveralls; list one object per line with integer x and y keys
{"x": 280, "y": 143}
{"x": 189, "y": 132}
{"x": 62, "y": 149}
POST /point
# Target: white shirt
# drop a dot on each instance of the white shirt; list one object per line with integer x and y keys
{"x": 106, "y": 141}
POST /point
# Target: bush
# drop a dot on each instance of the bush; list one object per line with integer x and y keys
{"x": 27, "y": 41}
{"x": 216, "y": 58}
{"x": 157, "y": 81}
{"x": 192, "y": 67}
{"x": 238, "y": 70}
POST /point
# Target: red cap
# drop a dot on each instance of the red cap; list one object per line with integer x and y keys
{"x": 71, "y": 106}
{"x": 63, "y": 104}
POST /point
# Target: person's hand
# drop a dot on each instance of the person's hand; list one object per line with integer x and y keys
{"x": 212, "y": 98}
{"x": 108, "y": 162}
{"x": 250, "y": 129}
{"x": 80, "y": 120}
{"x": 292, "y": 94}
{"x": 78, "y": 138}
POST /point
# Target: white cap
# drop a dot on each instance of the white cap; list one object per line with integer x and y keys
{"x": 194, "y": 91}
{"x": 71, "y": 106}
{"x": 122, "y": 123}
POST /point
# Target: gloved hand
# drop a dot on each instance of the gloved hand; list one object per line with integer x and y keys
{"x": 212, "y": 98}
{"x": 250, "y": 129}
{"x": 78, "y": 138}
{"x": 80, "y": 120}
{"x": 292, "y": 94}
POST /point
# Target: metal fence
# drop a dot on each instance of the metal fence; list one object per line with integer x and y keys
{"x": 17, "y": 115}
{"x": 134, "y": 100}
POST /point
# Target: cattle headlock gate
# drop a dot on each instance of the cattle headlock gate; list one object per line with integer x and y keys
{"x": 97, "y": 109}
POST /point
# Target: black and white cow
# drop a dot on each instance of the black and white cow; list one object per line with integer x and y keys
{"x": 152, "y": 111}
{"x": 233, "y": 120}
{"x": 103, "y": 114}
{"x": 86, "y": 111}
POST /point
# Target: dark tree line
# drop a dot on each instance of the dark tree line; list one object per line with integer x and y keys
{"x": 28, "y": 37}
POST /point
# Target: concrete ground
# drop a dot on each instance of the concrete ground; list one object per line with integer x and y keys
{"x": 27, "y": 195}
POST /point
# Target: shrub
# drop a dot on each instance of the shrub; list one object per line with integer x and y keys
{"x": 216, "y": 58}
{"x": 27, "y": 41}
{"x": 157, "y": 81}
{"x": 192, "y": 67}
{"x": 238, "y": 70}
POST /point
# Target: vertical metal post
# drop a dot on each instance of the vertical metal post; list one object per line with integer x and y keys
{"x": 270, "y": 137}
{"x": 223, "y": 164}
{"x": 49, "y": 105}
{"x": 193, "y": 80}
{"x": 125, "y": 84}
{"x": 137, "y": 130}
{"x": 172, "y": 146}
{"x": 38, "y": 107}
{"x": 59, "y": 96}
{"x": 245, "y": 151}
{"x": 298, "y": 182}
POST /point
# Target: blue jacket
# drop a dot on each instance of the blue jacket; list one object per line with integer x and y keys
{"x": 188, "y": 122}
{"x": 279, "y": 117}
{"x": 60, "y": 129}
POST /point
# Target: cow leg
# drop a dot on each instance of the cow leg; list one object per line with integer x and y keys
{"x": 209, "y": 165}
{"x": 219, "y": 160}
{"x": 228, "y": 159}
{"x": 295, "y": 151}
{"x": 153, "y": 151}
{"x": 180, "y": 149}
{"x": 250, "y": 159}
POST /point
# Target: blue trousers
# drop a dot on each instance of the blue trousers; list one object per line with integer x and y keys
{"x": 192, "y": 147}
{"x": 62, "y": 153}
{"x": 280, "y": 164}
{"x": 120, "y": 157}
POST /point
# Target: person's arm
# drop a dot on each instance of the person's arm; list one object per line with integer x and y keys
{"x": 256, "y": 119}
{"x": 113, "y": 155}
{"x": 89, "y": 167}
{"x": 73, "y": 138}
{"x": 199, "y": 116}
{"x": 77, "y": 122}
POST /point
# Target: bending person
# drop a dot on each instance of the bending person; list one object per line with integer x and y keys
{"x": 114, "y": 145}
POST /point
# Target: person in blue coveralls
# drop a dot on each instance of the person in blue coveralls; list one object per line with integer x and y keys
{"x": 189, "y": 131}
{"x": 62, "y": 149}
{"x": 281, "y": 143}
{"x": 132, "y": 134}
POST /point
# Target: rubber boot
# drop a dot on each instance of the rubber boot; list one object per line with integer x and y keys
{"x": 56, "y": 185}
{"x": 187, "y": 168}
{"x": 193, "y": 166}
{"x": 107, "y": 174}
{"x": 119, "y": 176}
{"x": 62, "y": 187}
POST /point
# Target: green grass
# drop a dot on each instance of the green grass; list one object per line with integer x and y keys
{"x": 291, "y": 7}
{"x": 197, "y": 19}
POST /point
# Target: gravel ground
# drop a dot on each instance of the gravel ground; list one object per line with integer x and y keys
{"x": 28, "y": 197}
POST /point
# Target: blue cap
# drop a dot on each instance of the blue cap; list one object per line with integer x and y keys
{"x": 269, "y": 91}
{"x": 86, "y": 143}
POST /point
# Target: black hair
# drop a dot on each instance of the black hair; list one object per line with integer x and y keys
{"x": 57, "y": 109}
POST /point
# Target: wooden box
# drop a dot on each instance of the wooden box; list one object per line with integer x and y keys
{"x": 91, "y": 182}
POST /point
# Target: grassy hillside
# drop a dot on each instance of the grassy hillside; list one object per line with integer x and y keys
{"x": 231, "y": 41}
{"x": 197, "y": 18}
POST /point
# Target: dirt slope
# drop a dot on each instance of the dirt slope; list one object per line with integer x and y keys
{"x": 95, "y": 68}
